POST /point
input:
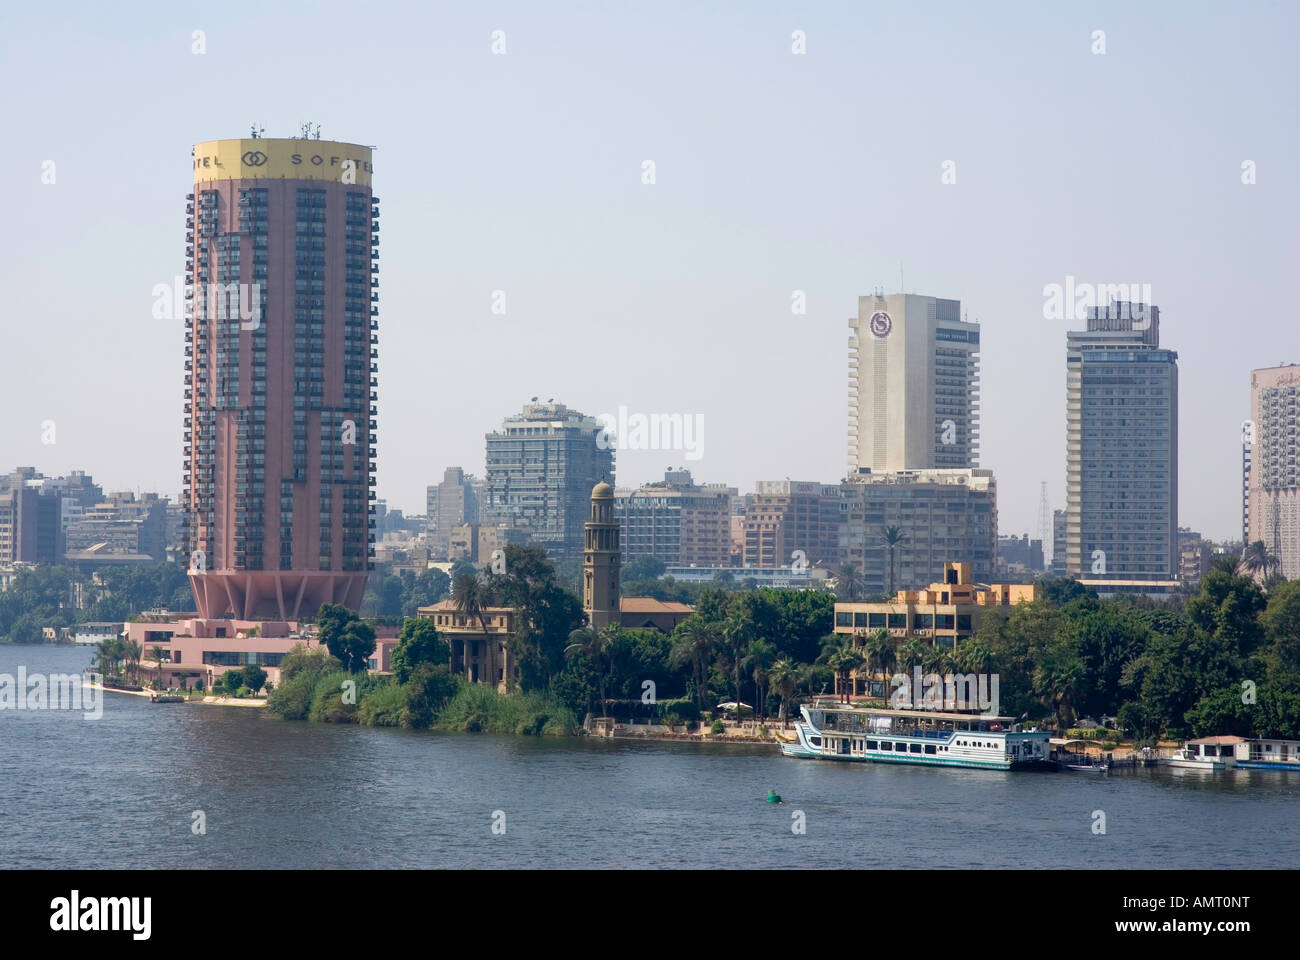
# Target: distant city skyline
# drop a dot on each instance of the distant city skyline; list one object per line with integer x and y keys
{"x": 783, "y": 188}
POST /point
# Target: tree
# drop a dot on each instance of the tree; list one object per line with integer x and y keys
{"x": 693, "y": 642}
{"x": 879, "y": 651}
{"x": 784, "y": 678}
{"x": 253, "y": 677}
{"x": 1258, "y": 563}
{"x": 892, "y": 538}
{"x": 132, "y": 652}
{"x": 759, "y": 658}
{"x": 108, "y": 653}
{"x": 849, "y": 582}
{"x": 418, "y": 643}
{"x": 643, "y": 568}
{"x": 595, "y": 644}
{"x": 157, "y": 653}
{"x": 428, "y": 689}
{"x": 346, "y": 636}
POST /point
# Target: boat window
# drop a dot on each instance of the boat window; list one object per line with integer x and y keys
{"x": 929, "y": 748}
{"x": 871, "y": 744}
{"x": 886, "y": 745}
{"x": 916, "y": 748}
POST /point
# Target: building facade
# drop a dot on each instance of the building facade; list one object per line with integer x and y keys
{"x": 280, "y": 376}
{"x": 541, "y": 466}
{"x": 1272, "y": 475}
{"x": 30, "y": 529}
{"x": 1121, "y": 447}
{"x": 791, "y": 523}
{"x": 479, "y": 651}
{"x": 913, "y": 385}
{"x": 677, "y": 521}
{"x": 939, "y": 513}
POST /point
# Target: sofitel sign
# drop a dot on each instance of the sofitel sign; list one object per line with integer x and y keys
{"x": 269, "y": 159}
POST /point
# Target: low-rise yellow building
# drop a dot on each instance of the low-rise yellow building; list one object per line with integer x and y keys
{"x": 942, "y": 613}
{"x": 478, "y": 643}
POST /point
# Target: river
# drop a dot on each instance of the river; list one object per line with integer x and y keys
{"x": 125, "y": 790}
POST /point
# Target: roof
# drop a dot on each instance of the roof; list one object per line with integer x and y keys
{"x": 651, "y": 605}
{"x": 1219, "y": 740}
{"x": 449, "y": 606}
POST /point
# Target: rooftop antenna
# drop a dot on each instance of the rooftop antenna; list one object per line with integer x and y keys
{"x": 306, "y": 130}
{"x": 317, "y": 134}
{"x": 256, "y": 130}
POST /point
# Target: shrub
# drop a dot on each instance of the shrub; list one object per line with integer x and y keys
{"x": 426, "y": 693}
{"x": 683, "y": 710}
{"x": 383, "y": 707}
{"x": 717, "y": 727}
{"x": 477, "y": 708}
{"x": 292, "y": 699}
{"x": 327, "y": 703}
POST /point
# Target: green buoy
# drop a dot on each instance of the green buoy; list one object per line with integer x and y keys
{"x": 773, "y": 796}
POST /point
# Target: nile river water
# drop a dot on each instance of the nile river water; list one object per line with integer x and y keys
{"x": 122, "y": 791}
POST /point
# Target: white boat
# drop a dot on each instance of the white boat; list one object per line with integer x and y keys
{"x": 922, "y": 737}
{"x": 1269, "y": 754}
{"x": 1208, "y": 753}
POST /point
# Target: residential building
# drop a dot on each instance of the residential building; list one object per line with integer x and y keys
{"x": 1272, "y": 475}
{"x": 541, "y": 466}
{"x": 791, "y": 523}
{"x": 280, "y": 376}
{"x": 1194, "y": 556}
{"x": 913, "y": 385}
{"x": 120, "y": 524}
{"x": 452, "y": 503}
{"x": 1121, "y": 447}
{"x": 677, "y": 521}
{"x": 1019, "y": 555}
{"x": 938, "y": 513}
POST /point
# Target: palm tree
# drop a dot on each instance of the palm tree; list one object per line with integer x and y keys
{"x": 758, "y": 660}
{"x": 849, "y": 582}
{"x": 107, "y": 654}
{"x": 693, "y": 639}
{"x": 893, "y": 537}
{"x": 157, "y": 653}
{"x": 844, "y": 662}
{"x": 737, "y": 631}
{"x": 1258, "y": 563}
{"x": 596, "y": 645}
{"x": 879, "y": 649}
{"x": 132, "y": 652}
{"x": 784, "y": 677}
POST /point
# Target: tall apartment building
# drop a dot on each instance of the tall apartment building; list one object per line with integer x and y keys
{"x": 30, "y": 530}
{"x": 541, "y": 467}
{"x": 791, "y": 522}
{"x": 1121, "y": 447}
{"x": 280, "y": 376}
{"x": 913, "y": 385}
{"x": 1272, "y": 475}
{"x": 1058, "y": 543}
{"x": 452, "y": 503}
{"x": 677, "y": 520}
{"x": 941, "y": 513}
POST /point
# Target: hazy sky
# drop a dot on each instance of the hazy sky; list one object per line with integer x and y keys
{"x": 774, "y": 172}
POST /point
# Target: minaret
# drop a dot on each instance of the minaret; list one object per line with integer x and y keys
{"x": 600, "y": 595}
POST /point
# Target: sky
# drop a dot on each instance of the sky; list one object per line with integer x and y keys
{"x": 775, "y": 171}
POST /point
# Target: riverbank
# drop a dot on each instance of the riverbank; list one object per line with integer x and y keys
{"x": 209, "y": 700}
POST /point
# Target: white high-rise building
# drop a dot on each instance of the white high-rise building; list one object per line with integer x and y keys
{"x": 1273, "y": 474}
{"x": 913, "y": 385}
{"x": 1121, "y": 475}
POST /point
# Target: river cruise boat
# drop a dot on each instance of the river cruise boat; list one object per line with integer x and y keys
{"x": 1269, "y": 755}
{"x": 1208, "y": 753}
{"x": 925, "y": 737}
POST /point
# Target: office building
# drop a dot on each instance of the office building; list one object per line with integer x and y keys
{"x": 913, "y": 385}
{"x": 791, "y": 523}
{"x": 1121, "y": 448}
{"x": 939, "y": 514}
{"x": 541, "y": 466}
{"x": 280, "y": 376}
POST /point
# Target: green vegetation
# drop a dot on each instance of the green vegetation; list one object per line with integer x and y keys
{"x": 481, "y": 709}
{"x": 38, "y": 597}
